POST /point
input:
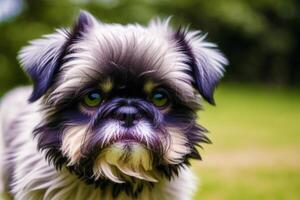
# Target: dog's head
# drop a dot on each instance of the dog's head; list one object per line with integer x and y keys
{"x": 120, "y": 102}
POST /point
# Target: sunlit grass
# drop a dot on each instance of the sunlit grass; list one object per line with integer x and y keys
{"x": 249, "y": 184}
{"x": 256, "y": 147}
{"x": 253, "y": 116}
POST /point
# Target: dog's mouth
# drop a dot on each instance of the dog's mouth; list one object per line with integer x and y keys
{"x": 125, "y": 158}
{"x": 126, "y": 137}
{"x": 113, "y": 132}
{"x": 129, "y": 138}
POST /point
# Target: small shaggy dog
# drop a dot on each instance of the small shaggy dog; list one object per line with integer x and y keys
{"x": 111, "y": 114}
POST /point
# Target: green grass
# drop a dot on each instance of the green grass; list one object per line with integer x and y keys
{"x": 249, "y": 184}
{"x": 256, "y": 136}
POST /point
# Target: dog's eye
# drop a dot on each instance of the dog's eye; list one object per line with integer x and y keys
{"x": 93, "y": 98}
{"x": 160, "y": 97}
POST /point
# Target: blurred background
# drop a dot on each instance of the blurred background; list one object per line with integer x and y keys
{"x": 255, "y": 125}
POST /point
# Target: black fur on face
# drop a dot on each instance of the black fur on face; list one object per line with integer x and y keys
{"x": 68, "y": 113}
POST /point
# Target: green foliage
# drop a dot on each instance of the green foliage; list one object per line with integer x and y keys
{"x": 259, "y": 37}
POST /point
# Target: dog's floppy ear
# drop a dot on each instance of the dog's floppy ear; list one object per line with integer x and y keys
{"x": 205, "y": 60}
{"x": 42, "y": 58}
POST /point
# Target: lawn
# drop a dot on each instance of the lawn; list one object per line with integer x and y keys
{"x": 255, "y": 153}
{"x": 256, "y": 150}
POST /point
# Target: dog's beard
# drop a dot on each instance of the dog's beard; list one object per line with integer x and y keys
{"x": 127, "y": 151}
{"x": 121, "y": 154}
{"x": 132, "y": 159}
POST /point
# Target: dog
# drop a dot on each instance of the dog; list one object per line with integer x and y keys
{"x": 111, "y": 114}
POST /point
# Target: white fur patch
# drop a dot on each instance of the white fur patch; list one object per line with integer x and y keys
{"x": 178, "y": 147}
{"x": 31, "y": 54}
{"x": 73, "y": 139}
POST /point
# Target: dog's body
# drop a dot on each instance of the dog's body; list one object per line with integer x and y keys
{"x": 54, "y": 149}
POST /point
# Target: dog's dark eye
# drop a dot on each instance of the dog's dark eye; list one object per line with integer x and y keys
{"x": 160, "y": 97}
{"x": 93, "y": 98}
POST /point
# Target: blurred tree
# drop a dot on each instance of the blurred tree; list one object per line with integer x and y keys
{"x": 260, "y": 38}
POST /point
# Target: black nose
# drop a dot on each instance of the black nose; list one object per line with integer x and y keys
{"x": 128, "y": 115}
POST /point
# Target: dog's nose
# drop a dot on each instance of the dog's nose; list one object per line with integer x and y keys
{"x": 128, "y": 115}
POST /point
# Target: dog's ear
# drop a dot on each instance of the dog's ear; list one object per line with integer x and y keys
{"x": 207, "y": 63}
{"x": 42, "y": 58}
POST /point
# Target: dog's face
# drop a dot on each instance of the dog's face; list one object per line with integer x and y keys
{"x": 119, "y": 102}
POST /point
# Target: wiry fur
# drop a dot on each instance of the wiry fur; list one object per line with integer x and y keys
{"x": 55, "y": 148}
